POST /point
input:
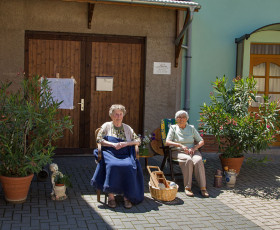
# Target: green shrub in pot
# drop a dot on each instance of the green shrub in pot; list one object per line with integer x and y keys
{"x": 237, "y": 128}
{"x": 29, "y": 127}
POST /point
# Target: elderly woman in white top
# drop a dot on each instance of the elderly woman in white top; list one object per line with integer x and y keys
{"x": 119, "y": 172}
{"x": 182, "y": 137}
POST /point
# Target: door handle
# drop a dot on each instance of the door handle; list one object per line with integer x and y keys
{"x": 82, "y": 104}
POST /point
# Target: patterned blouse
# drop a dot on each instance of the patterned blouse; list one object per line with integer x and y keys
{"x": 114, "y": 131}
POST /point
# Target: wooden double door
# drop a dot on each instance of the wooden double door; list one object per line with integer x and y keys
{"x": 84, "y": 58}
{"x": 266, "y": 71}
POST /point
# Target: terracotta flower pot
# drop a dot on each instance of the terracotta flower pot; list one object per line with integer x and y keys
{"x": 16, "y": 188}
{"x": 232, "y": 163}
{"x": 59, "y": 190}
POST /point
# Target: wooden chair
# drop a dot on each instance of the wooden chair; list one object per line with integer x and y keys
{"x": 167, "y": 157}
{"x": 98, "y": 191}
{"x": 164, "y": 128}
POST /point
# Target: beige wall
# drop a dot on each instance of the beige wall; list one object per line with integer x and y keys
{"x": 162, "y": 93}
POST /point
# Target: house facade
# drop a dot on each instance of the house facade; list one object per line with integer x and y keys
{"x": 232, "y": 38}
{"x": 155, "y": 57}
{"x": 115, "y": 52}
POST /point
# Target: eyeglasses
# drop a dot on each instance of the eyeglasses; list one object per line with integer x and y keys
{"x": 182, "y": 117}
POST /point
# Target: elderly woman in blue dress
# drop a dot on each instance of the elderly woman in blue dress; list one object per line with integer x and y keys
{"x": 119, "y": 172}
{"x": 181, "y": 138}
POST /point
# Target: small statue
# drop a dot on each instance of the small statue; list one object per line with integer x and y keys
{"x": 58, "y": 192}
{"x": 218, "y": 179}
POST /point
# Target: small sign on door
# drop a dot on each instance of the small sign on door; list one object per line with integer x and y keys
{"x": 104, "y": 83}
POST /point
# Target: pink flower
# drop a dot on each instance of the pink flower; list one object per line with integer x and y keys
{"x": 268, "y": 126}
{"x": 221, "y": 127}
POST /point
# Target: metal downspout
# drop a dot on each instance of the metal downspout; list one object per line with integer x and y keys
{"x": 188, "y": 71}
{"x": 188, "y": 28}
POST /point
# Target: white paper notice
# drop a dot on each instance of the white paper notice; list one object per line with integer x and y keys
{"x": 62, "y": 90}
{"x": 162, "y": 68}
{"x": 104, "y": 83}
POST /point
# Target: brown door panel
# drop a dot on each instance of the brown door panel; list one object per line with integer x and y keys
{"x": 84, "y": 57}
{"x": 59, "y": 58}
{"x": 123, "y": 62}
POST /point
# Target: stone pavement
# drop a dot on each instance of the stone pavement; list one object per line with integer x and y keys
{"x": 253, "y": 204}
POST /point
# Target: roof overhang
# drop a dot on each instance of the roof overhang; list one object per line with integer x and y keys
{"x": 169, "y": 4}
{"x": 184, "y": 5}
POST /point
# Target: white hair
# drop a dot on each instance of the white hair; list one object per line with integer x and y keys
{"x": 116, "y": 106}
{"x": 182, "y": 112}
{"x": 53, "y": 167}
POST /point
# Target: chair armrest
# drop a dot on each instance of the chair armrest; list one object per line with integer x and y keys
{"x": 166, "y": 149}
{"x": 137, "y": 151}
{"x": 99, "y": 152}
{"x": 169, "y": 152}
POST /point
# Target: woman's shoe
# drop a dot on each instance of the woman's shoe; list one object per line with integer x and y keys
{"x": 127, "y": 204}
{"x": 189, "y": 193}
{"x": 112, "y": 203}
{"x": 204, "y": 193}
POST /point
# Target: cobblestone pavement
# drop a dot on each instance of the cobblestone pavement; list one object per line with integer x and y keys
{"x": 252, "y": 204}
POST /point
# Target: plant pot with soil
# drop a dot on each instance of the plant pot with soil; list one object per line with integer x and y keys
{"x": 61, "y": 182}
{"x": 29, "y": 127}
{"x": 237, "y": 129}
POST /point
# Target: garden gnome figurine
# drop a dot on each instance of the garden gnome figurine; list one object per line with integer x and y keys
{"x": 218, "y": 179}
{"x": 58, "y": 192}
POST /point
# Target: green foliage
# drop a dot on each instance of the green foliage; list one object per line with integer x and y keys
{"x": 228, "y": 118}
{"x": 63, "y": 179}
{"x": 29, "y": 126}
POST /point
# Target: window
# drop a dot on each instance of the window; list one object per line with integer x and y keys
{"x": 265, "y": 67}
{"x": 258, "y": 54}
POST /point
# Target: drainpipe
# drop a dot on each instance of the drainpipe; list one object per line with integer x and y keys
{"x": 188, "y": 71}
{"x": 188, "y": 62}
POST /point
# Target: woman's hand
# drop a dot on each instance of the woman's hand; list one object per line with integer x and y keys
{"x": 184, "y": 148}
{"x": 191, "y": 151}
{"x": 187, "y": 150}
{"x": 120, "y": 145}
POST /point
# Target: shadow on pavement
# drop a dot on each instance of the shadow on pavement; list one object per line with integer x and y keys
{"x": 259, "y": 180}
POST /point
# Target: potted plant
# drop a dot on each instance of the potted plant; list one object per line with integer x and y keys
{"x": 145, "y": 140}
{"x": 62, "y": 180}
{"x": 29, "y": 127}
{"x": 237, "y": 129}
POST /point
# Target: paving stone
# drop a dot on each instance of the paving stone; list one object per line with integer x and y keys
{"x": 252, "y": 204}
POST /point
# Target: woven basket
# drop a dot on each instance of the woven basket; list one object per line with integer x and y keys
{"x": 167, "y": 194}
